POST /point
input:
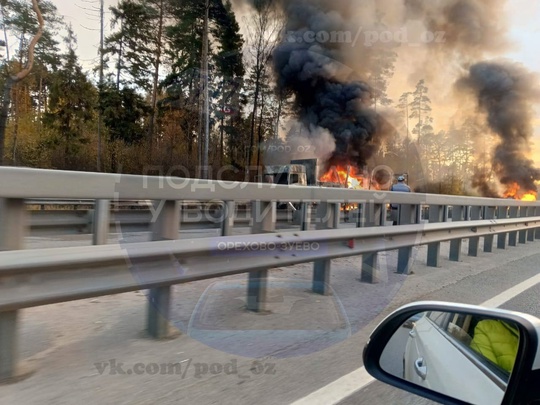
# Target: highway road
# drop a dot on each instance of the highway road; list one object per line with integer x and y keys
{"x": 525, "y": 299}
{"x": 306, "y": 350}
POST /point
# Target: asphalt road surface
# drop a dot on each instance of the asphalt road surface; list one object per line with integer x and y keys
{"x": 305, "y": 350}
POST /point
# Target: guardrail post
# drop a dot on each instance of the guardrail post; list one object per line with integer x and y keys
{"x": 502, "y": 213}
{"x": 305, "y": 216}
{"x": 523, "y": 212}
{"x": 512, "y": 236}
{"x": 531, "y": 231}
{"x": 475, "y": 241}
{"x": 100, "y": 222}
{"x": 328, "y": 216}
{"x": 537, "y": 231}
{"x": 165, "y": 227}
{"x": 489, "y": 213}
{"x": 436, "y": 214}
{"x": 371, "y": 216}
{"x": 227, "y": 221}
{"x": 13, "y": 228}
{"x": 455, "y": 245}
{"x": 264, "y": 215}
{"x": 407, "y": 215}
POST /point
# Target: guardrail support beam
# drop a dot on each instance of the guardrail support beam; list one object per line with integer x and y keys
{"x": 371, "y": 214}
{"x": 159, "y": 303}
{"x": 328, "y": 215}
{"x": 13, "y": 224}
{"x": 165, "y": 227}
{"x": 305, "y": 220}
{"x": 455, "y": 245}
{"x": 512, "y": 236}
{"x": 227, "y": 221}
{"x": 436, "y": 214}
{"x": 502, "y": 213}
{"x": 264, "y": 215}
{"x": 13, "y": 229}
{"x": 530, "y": 233}
{"x": 8, "y": 345}
{"x": 408, "y": 214}
{"x": 537, "y": 230}
{"x": 523, "y": 212}
{"x": 100, "y": 222}
{"x": 489, "y": 213}
{"x": 257, "y": 291}
{"x": 474, "y": 242}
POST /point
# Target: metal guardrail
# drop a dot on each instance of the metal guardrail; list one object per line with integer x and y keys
{"x": 44, "y": 276}
{"x": 81, "y": 221}
{"x": 40, "y": 277}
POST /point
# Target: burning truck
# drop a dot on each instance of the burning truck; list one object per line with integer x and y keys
{"x": 315, "y": 173}
{"x": 307, "y": 172}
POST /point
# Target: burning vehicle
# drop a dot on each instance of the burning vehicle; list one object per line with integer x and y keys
{"x": 315, "y": 173}
{"x": 307, "y": 172}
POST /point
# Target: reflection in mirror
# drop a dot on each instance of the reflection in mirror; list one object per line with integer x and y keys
{"x": 464, "y": 356}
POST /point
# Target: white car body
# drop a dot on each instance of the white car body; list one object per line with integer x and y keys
{"x": 423, "y": 355}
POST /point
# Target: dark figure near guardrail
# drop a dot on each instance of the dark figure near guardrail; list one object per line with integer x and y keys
{"x": 399, "y": 186}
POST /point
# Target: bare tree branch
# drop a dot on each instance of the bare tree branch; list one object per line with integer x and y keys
{"x": 12, "y": 80}
{"x": 30, "y": 62}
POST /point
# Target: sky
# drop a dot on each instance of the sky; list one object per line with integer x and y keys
{"x": 523, "y": 17}
{"x": 522, "y": 14}
{"x": 84, "y": 17}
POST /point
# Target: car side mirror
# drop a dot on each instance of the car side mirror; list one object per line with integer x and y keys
{"x": 457, "y": 354}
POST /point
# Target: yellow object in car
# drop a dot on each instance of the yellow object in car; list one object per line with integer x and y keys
{"x": 497, "y": 341}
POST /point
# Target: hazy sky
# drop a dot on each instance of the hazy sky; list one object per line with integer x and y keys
{"x": 523, "y": 16}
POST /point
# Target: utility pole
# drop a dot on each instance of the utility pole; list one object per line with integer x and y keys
{"x": 100, "y": 118}
{"x": 206, "y": 95}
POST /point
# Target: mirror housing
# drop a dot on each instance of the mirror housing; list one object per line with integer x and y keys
{"x": 523, "y": 386}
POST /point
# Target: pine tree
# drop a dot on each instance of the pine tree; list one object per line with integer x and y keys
{"x": 72, "y": 104}
{"x": 420, "y": 108}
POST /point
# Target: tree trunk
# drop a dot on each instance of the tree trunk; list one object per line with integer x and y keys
{"x": 119, "y": 64}
{"x": 259, "y": 131}
{"x": 253, "y": 118}
{"x": 15, "y": 127}
{"x": 278, "y": 115}
{"x": 157, "y": 64}
{"x": 221, "y": 140}
{"x": 11, "y": 80}
{"x": 4, "y": 115}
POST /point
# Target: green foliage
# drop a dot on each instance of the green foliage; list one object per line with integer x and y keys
{"x": 123, "y": 112}
{"x": 131, "y": 45}
{"x": 72, "y": 101}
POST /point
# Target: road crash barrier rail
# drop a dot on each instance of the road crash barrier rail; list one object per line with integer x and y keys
{"x": 45, "y": 276}
{"x": 83, "y": 221}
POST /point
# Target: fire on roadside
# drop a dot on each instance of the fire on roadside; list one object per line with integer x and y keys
{"x": 346, "y": 176}
{"x": 513, "y": 191}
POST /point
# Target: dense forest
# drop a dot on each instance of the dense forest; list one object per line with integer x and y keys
{"x": 140, "y": 109}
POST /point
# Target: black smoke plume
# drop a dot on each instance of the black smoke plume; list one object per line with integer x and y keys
{"x": 506, "y": 93}
{"x": 314, "y": 73}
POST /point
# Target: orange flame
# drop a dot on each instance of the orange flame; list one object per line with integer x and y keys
{"x": 514, "y": 191}
{"x": 347, "y": 176}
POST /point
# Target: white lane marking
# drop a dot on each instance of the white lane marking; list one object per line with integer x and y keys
{"x": 338, "y": 390}
{"x": 507, "y": 295}
{"x": 351, "y": 383}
